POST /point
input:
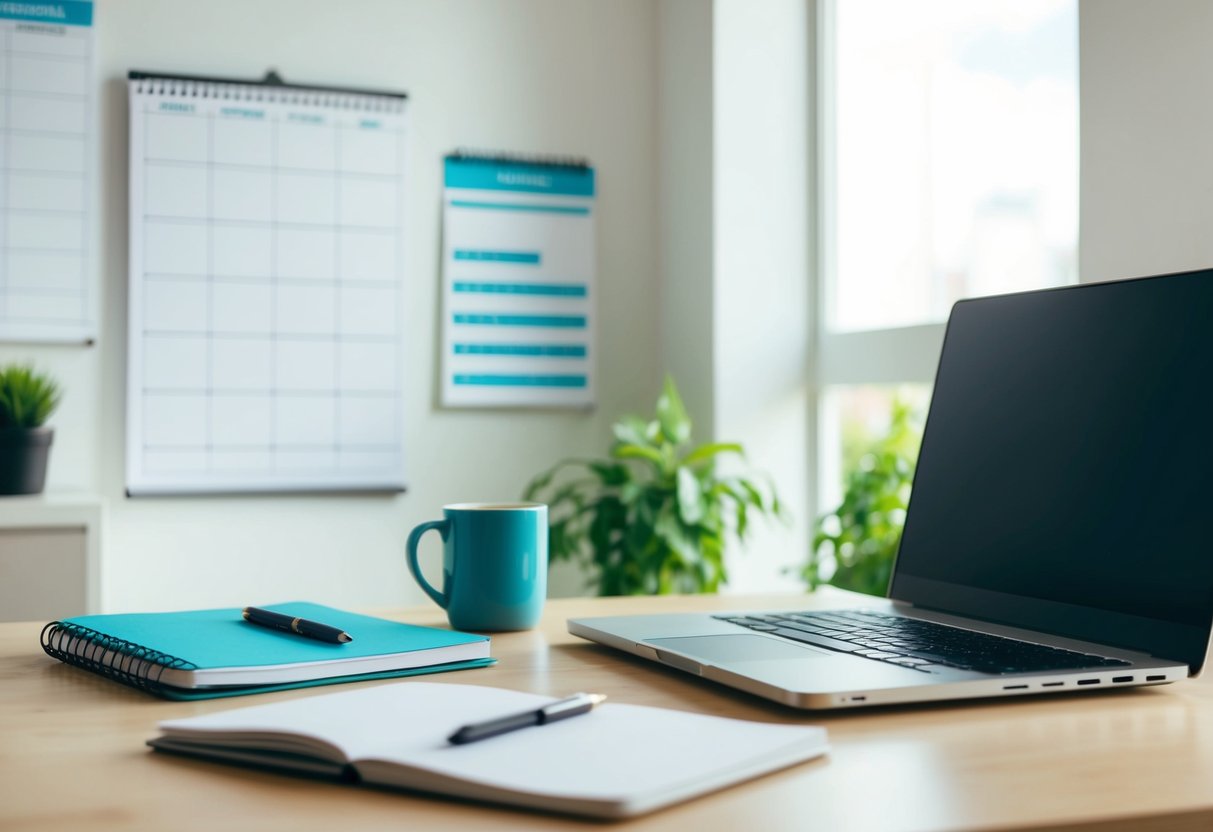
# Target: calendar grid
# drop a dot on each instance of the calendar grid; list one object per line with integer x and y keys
{"x": 272, "y": 359}
{"x": 8, "y": 120}
{"x": 210, "y": 290}
{"x": 46, "y": 144}
{"x": 273, "y": 444}
{"x": 337, "y": 276}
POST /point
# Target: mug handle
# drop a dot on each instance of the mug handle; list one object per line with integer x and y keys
{"x": 443, "y": 527}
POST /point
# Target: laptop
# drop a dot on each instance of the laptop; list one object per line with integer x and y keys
{"x": 1057, "y": 537}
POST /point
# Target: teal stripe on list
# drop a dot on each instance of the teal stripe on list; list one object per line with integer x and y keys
{"x": 531, "y": 257}
{"x": 488, "y": 380}
{"x": 540, "y": 350}
{"x": 519, "y": 206}
{"x": 566, "y": 321}
{"x": 571, "y": 290}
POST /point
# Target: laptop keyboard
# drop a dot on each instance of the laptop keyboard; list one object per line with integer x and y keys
{"x": 920, "y": 645}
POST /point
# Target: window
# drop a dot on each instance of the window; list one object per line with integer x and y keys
{"x": 949, "y": 169}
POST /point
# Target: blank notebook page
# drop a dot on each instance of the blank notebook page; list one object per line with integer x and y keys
{"x": 616, "y": 752}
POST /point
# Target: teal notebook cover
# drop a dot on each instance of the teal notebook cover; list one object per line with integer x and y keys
{"x": 201, "y": 640}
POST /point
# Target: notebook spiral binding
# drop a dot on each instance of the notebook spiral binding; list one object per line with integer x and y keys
{"x": 113, "y": 658}
{"x": 465, "y": 154}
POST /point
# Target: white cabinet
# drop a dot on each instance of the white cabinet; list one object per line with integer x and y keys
{"x": 49, "y": 550}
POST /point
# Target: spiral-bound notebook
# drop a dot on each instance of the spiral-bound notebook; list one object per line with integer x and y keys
{"x": 518, "y": 278}
{"x": 205, "y": 654}
{"x": 266, "y": 287}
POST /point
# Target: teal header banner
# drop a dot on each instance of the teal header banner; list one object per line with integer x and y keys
{"x": 65, "y": 13}
{"x": 488, "y": 175}
{"x": 498, "y": 380}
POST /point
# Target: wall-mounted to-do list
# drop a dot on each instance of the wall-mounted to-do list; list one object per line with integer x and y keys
{"x": 266, "y": 287}
{"x": 518, "y": 282}
{"x": 47, "y": 98}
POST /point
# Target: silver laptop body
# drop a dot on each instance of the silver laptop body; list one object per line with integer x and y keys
{"x": 1059, "y": 500}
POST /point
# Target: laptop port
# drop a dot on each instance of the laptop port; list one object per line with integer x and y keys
{"x": 1051, "y": 684}
{"x": 1088, "y": 681}
{"x": 859, "y": 699}
{"x": 1156, "y": 678}
{"x": 1122, "y": 678}
{"x": 1014, "y": 687}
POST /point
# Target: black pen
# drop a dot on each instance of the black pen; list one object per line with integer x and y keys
{"x": 578, "y": 703}
{"x": 298, "y": 626}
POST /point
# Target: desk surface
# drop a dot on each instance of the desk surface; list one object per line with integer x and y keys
{"x": 72, "y": 753}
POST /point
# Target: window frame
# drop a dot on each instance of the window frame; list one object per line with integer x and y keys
{"x": 887, "y": 356}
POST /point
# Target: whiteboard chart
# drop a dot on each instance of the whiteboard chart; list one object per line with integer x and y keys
{"x": 265, "y": 299}
{"x": 518, "y": 282}
{"x": 47, "y": 98}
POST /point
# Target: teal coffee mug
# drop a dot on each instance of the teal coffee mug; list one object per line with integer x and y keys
{"x": 494, "y": 565}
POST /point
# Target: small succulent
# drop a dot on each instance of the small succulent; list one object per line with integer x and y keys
{"x": 27, "y": 397}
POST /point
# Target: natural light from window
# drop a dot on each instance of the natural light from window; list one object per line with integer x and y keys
{"x": 949, "y": 169}
{"x": 955, "y": 155}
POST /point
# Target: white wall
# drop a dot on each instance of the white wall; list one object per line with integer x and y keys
{"x": 685, "y": 149}
{"x": 697, "y": 114}
{"x": 1146, "y": 186}
{"x": 568, "y": 76}
{"x": 762, "y": 322}
{"x": 734, "y": 144}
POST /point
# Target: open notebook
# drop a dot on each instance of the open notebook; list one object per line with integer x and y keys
{"x": 617, "y": 761}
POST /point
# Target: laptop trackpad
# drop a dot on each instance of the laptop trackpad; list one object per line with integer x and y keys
{"x": 738, "y": 648}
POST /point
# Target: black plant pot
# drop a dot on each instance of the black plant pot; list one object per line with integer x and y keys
{"x": 23, "y": 454}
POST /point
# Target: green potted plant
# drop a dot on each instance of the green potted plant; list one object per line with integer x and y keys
{"x": 27, "y": 399}
{"x": 855, "y": 544}
{"x": 653, "y": 516}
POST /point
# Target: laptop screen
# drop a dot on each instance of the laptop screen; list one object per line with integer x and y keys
{"x": 1065, "y": 481}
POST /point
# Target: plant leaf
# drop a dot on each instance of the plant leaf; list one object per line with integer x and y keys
{"x": 690, "y": 506}
{"x": 654, "y": 515}
{"x": 632, "y": 430}
{"x": 753, "y": 493}
{"x": 671, "y": 532}
{"x": 704, "y": 452}
{"x": 630, "y": 492}
{"x": 743, "y": 521}
{"x": 611, "y": 473}
{"x": 568, "y": 494}
{"x": 536, "y": 485}
{"x": 27, "y": 397}
{"x": 544, "y": 480}
{"x": 672, "y": 416}
{"x": 855, "y": 544}
{"x": 623, "y": 451}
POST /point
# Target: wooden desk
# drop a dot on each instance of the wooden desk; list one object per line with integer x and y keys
{"x": 72, "y": 754}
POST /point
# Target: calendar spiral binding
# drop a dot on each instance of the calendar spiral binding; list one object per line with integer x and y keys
{"x": 497, "y": 157}
{"x": 269, "y": 90}
{"x": 114, "y": 658}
